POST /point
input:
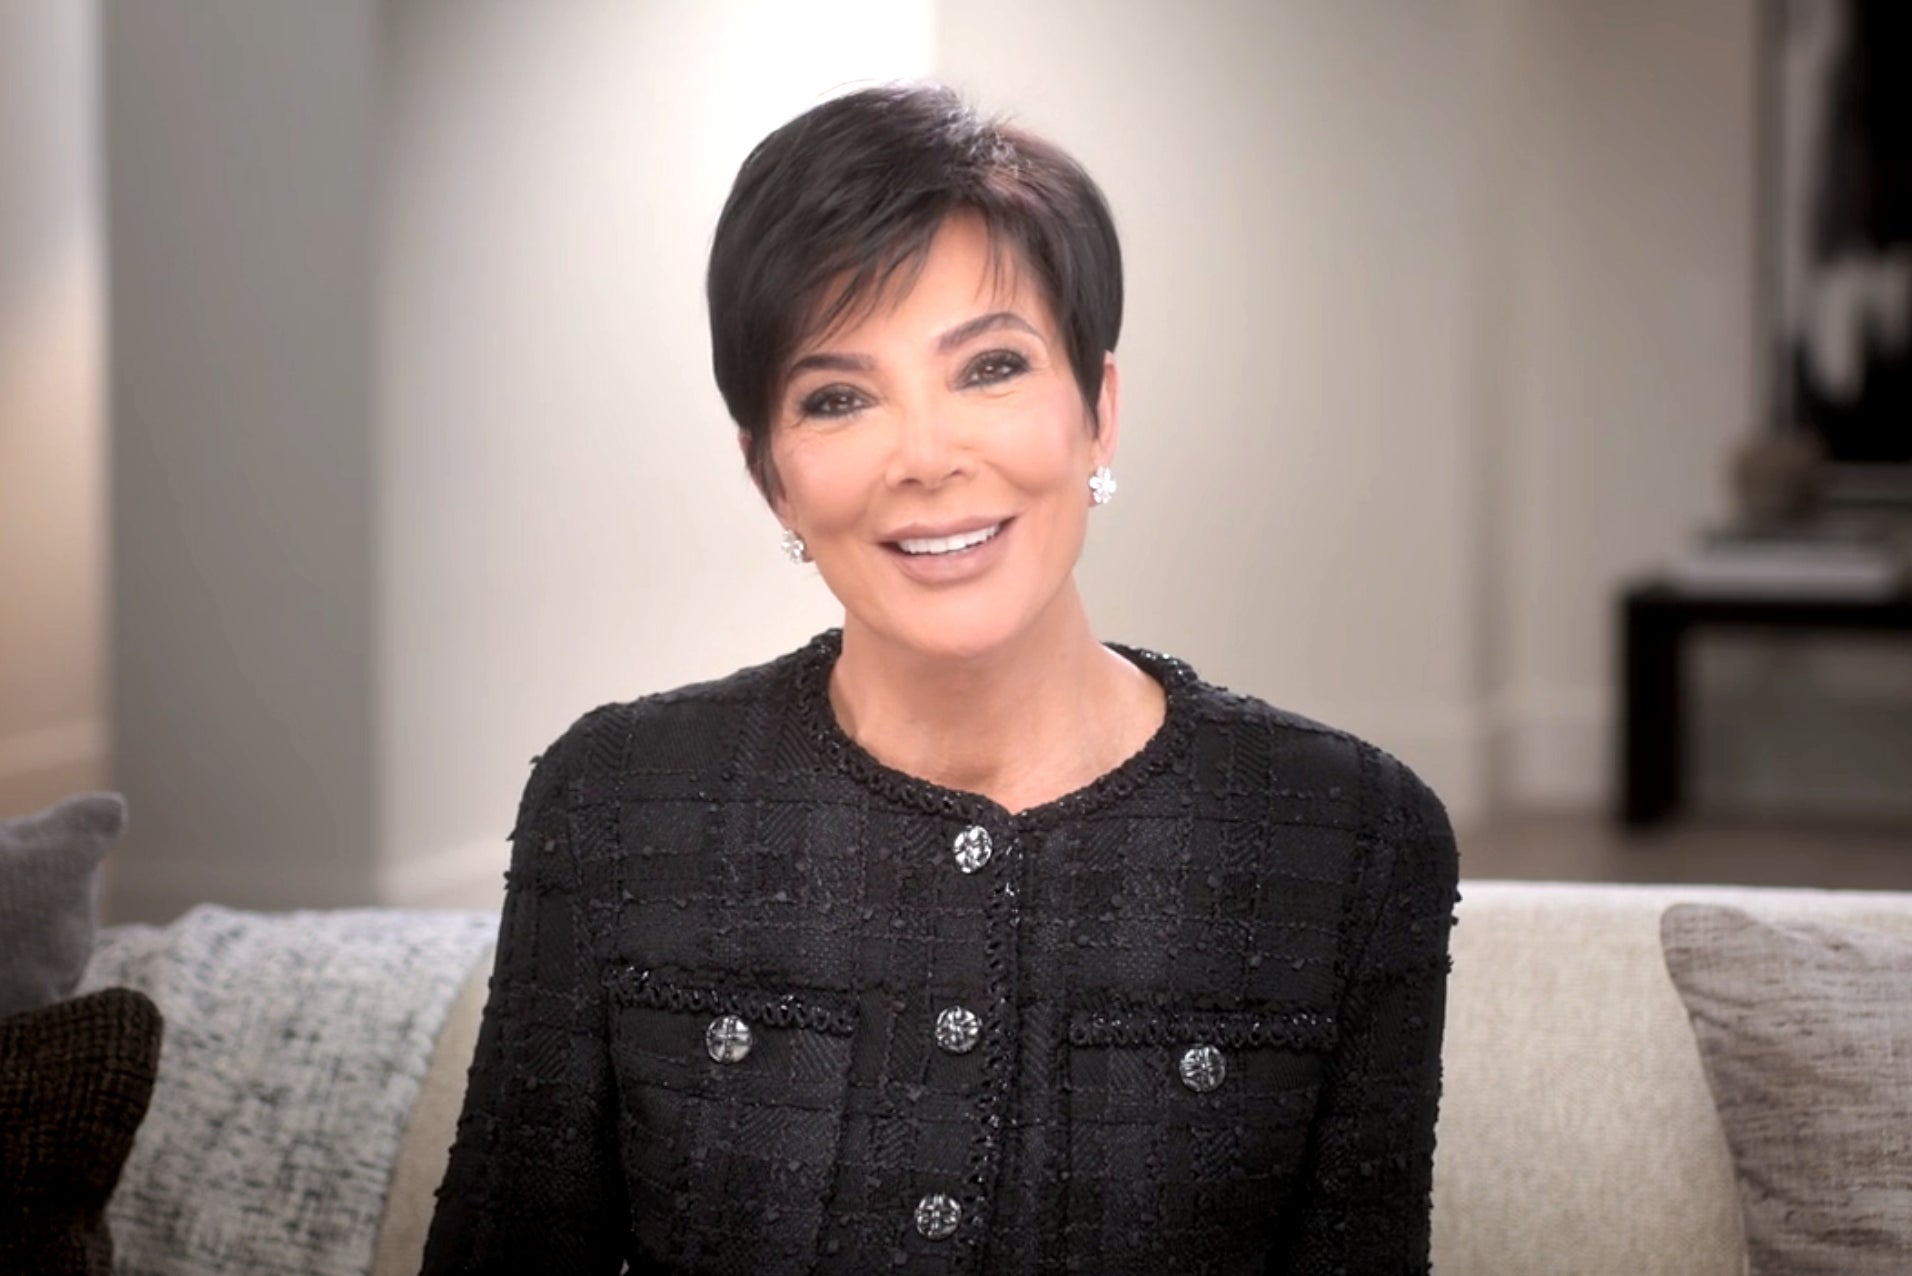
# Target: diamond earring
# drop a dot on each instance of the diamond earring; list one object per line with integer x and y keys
{"x": 793, "y": 546}
{"x": 1102, "y": 485}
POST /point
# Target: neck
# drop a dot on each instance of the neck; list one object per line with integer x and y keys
{"x": 1020, "y": 725}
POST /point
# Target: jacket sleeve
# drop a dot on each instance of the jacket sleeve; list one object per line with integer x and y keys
{"x": 534, "y": 1182}
{"x": 1365, "y": 1200}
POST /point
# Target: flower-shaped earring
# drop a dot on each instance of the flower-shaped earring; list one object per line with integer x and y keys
{"x": 1102, "y": 485}
{"x": 793, "y": 546}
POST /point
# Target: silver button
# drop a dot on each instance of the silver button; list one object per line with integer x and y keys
{"x": 972, "y": 848}
{"x": 957, "y": 1030}
{"x": 1203, "y": 1068}
{"x": 937, "y": 1216}
{"x": 727, "y": 1039}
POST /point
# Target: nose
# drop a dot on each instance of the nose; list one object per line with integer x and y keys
{"x": 926, "y": 450}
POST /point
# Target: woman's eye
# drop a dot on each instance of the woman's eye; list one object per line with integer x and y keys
{"x": 997, "y": 365}
{"x": 831, "y": 401}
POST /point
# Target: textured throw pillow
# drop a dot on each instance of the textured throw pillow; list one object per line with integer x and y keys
{"x": 49, "y": 891}
{"x": 75, "y": 1079}
{"x": 1805, "y": 1031}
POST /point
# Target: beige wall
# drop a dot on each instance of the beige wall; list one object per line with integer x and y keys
{"x": 1621, "y": 303}
{"x": 417, "y": 457}
{"x": 1299, "y": 472}
{"x": 1624, "y": 337}
{"x": 52, "y": 524}
{"x": 564, "y": 519}
{"x": 1439, "y": 328}
{"x": 1470, "y": 315}
{"x": 239, "y": 223}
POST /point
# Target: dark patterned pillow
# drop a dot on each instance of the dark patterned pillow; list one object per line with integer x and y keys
{"x": 75, "y": 1079}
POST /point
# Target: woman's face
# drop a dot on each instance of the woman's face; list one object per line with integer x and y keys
{"x": 935, "y": 456}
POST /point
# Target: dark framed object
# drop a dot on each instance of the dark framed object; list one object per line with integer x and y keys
{"x": 1656, "y": 624}
{"x": 1836, "y": 98}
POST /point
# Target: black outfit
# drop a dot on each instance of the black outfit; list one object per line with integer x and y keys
{"x": 1203, "y": 1003}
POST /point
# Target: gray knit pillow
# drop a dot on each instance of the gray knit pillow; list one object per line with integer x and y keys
{"x": 49, "y": 892}
{"x": 1805, "y": 1030}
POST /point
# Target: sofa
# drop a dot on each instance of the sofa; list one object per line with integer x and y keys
{"x": 1578, "y": 1133}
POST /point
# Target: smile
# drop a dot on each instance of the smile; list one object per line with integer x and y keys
{"x": 948, "y": 544}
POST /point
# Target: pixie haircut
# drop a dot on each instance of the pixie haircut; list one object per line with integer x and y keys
{"x": 835, "y": 206}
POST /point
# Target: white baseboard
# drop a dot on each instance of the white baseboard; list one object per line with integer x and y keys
{"x": 71, "y": 744}
{"x": 148, "y": 882}
{"x": 38, "y": 768}
{"x": 157, "y": 887}
{"x": 468, "y": 876}
{"x": 1553, "y": 747}
{"x": 1545, "y": 748}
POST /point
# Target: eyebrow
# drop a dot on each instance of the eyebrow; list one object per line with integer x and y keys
{"x": 831, "y": 363}
{"x": 968, "y": 330}
{"x": 984, "y": 323}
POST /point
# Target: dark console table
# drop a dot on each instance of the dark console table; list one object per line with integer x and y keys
{"x": 1655, "y": 621}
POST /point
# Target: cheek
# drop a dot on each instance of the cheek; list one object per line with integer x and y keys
{"x": 819, "y": 483}
{"x": 1058, "y": 449}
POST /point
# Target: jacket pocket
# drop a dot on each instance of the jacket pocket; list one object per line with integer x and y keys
{"x": 731, "y": 1109}
{"x": 1186, "y": 1132}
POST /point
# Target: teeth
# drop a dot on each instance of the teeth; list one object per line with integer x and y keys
{"x": 948, "y": 544}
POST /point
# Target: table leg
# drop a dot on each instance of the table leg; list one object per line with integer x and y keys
{"x": 1652, "y": 727}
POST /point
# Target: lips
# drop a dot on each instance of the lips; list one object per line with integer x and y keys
{"x": 953, "y": 543}
{"x": 949, "y": 553}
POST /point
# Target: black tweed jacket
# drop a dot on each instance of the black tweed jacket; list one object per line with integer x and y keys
{"x": 763, "y": 1005}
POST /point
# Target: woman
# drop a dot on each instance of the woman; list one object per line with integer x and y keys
{"x": 956, "y": 939}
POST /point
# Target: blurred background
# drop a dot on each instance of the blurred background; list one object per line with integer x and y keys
{"x": 357, "y": 430}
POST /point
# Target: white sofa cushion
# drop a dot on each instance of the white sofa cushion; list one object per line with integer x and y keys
{"x": 1577, "y": 1133}
{"x": 425, "y": 1150}
{"x": 296, "y": 1045}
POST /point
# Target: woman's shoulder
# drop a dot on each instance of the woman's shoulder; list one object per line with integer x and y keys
{"x": 1311, "y": 774}
{"x": 1307, "y": 759}
{"x": 679, "y": 727}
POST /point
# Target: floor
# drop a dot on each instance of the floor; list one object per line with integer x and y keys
{"x": 1709, "y": 849}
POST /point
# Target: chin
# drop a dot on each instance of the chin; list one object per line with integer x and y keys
{"x": 958, "y": 648}
{"x": 956, "y": 631}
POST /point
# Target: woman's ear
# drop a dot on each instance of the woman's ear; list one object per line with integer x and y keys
{"x": 1108, "y": 411}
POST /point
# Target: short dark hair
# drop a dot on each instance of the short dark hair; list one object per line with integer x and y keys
{"x": 831, "y": 206}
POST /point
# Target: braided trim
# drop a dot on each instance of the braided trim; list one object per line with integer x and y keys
{"x": 1293, "y": 1030}
{"x": 1002, "y": 921}
{"x": 1166, "y": 748}
{"x": 819, "y": 1012}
